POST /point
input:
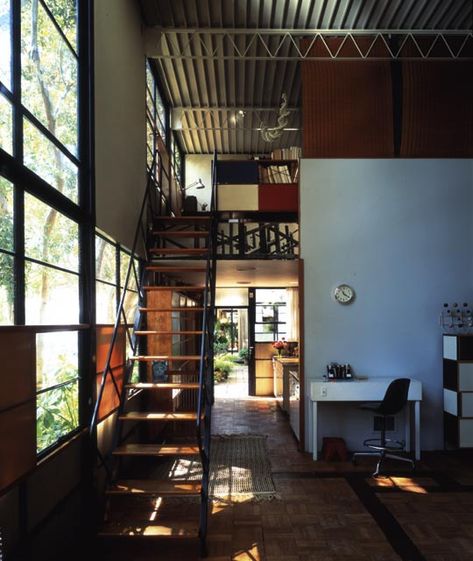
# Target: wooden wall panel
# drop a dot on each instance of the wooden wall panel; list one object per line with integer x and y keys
{"x": 347, "y": 109}
{"x": 17, "y": 442}
{"x": 437, "y": 109}
{"x": 104, "y": 337}
{"x": 110, "y": 399}
{"x": 18, "y": 360}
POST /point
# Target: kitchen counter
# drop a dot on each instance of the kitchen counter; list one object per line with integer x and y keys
{"x": 281, "y": 367}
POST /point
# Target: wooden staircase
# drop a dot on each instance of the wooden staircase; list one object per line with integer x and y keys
{"x": 165, "y": 420}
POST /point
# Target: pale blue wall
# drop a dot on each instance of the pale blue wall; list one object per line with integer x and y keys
{"x": 401, "y": 233}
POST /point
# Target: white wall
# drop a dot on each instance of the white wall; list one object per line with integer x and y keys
{"x": 119, "y": 117}
{"x": 400, "y": 232}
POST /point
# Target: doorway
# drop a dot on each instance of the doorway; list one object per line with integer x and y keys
{"x": 231, "y": 350}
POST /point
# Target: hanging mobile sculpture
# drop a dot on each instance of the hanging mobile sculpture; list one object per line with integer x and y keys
{"x": 269, "y": 134}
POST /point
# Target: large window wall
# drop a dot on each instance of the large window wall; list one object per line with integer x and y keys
{"x": 45, "y": 208}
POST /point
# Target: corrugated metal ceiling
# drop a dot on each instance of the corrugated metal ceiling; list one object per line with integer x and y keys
{"x": 256, "y": 85}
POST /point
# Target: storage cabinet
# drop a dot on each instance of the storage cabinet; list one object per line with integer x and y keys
{"x": 458, "y": 390}
{"x": 258, "y": 185}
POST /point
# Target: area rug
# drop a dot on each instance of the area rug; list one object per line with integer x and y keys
{"x": 240, "y": 469}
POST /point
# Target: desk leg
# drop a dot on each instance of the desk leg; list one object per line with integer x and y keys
{"x": 314, "y": 431}
{"x": 407, "y": 427}
{"x": 417, "y": 428}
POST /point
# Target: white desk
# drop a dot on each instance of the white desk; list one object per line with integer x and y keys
{"x": 363, "y": 390}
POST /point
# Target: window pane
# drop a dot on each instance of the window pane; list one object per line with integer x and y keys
{"x": 7, "y": 288}
{"x": 124, "y": 261}
{"x": 48, "y": 74}
{"x": 50, "y": 236}
{"x": 52, "y": 297}
{"x": 106, "y": 304}
{"x": 130, "y": 305}
{"x": 6, "y": 214}
{"x": 65, "y": 14}
{"x": 105, "y": 260}
{"x": 57, "y": 414}
{"x": 6, "y": 124}
{"x": 42, "y": 157}
{"x": 56, "y": 358}
{"x": 5, "y": 42}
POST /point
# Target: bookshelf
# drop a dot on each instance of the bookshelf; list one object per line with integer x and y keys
{"x": 263, "y": 185}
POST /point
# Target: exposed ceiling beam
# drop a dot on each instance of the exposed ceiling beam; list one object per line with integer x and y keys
{"x": 284, "y": 44}
{"x": 245, "y": 108}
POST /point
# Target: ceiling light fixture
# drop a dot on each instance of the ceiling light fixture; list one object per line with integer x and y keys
{"x": 243, "y": 282}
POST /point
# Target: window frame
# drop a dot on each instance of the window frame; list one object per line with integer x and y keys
{"x": 24, "y": 180}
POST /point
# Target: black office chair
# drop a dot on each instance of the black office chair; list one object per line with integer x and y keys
{"x": 394, "y": 401}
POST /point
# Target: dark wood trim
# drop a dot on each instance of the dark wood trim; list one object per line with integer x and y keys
{"x": 44, "y": 328}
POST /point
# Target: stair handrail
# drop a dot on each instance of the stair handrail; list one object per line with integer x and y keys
{"x": 205, "y": 392}
{"x": 147, "y": 198}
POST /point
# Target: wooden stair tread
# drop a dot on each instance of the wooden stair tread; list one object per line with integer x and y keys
{"x": 156, "y": 450}
{"x": 185, "y": 309}
{"x": 178, "y": 529}
{"x": 163, "y": 385}
{"x": 181, "y": 218}
{"x": 181, "y": 233}
{"x": 177, "y": 250}
{"x": 154, "y": 487}
{"x": 166, "y": 416}
{"x": 176, "y": 288}
{"x": 158, "y": 269}
{"x": 164, "y": 357}
{"x": 164, "y": 332}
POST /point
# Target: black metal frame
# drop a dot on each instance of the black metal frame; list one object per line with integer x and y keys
{"x": 25, "y": 180}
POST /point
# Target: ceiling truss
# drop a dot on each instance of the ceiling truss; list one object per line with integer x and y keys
{"x": 285, "y": 44}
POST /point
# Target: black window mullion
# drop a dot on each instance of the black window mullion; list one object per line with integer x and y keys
{"x": 19, "y": 264}
{"x": 117, "y": 276}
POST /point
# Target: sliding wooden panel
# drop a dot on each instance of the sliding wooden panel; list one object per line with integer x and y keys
{"x": 437, "y": 109}
{"x": 18, "y": 374}
{"x": 110, "y": 398}
{"x": 17, "y": 442}
{"x": 278, "y": 197}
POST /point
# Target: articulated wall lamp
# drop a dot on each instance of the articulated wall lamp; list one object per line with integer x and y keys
{"x": 195, "y": 184}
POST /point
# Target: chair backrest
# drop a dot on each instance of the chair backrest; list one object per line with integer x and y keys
{"x": 395, "y": 397}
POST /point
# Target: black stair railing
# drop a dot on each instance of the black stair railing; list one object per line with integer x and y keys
{"x": 150, "y": 207}
{"x": 205, "y": 395}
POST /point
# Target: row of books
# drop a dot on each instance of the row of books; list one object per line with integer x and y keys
{"x": 277, "y": 174}
{"x": 292, "y": 153}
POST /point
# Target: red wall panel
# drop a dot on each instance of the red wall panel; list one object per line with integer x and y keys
{"x": 277, "y": 197}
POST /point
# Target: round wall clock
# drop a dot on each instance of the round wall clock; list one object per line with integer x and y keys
{"x": 344, "y": 294}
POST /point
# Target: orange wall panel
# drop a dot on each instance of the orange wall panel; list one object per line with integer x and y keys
{"x": 18, "y": 360}
{"x": 17, "y": 442}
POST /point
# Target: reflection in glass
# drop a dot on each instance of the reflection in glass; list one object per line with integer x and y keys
{"x": 7, "y": 288}
{"x": 6, "y": 214}
{"x": 57, "y": 414}
{"x": 48, "y": 74}
{"x": 5, "y": 42}
{"x": 105, "y": 260}
{"x": 6, "y": 124}
{"x": 52, "y": 296}
{"x": 56, "y": 358}
{"x": 50, "y": 236}
{"x": 47, "y": 161}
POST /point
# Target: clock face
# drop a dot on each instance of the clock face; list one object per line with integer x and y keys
{"x": 344, "y": 294}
